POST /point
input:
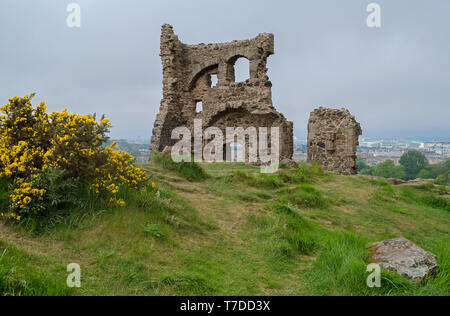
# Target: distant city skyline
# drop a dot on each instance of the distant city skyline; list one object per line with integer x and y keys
{"x": 394, "y": 79}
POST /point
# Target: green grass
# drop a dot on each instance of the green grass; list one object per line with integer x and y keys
{"x": 341, "y": 266}
{"x": 304, "y": 196}
{"x": 225, "y": 229}
{"x": 20, "y": 274}
{"x": 188, "y": 170}
{"x": 427, "y": 199}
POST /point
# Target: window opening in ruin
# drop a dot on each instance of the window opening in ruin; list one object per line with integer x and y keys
{"x": 241, "y": 70}
{"x": 199, "y": 107}
{"x": 234, "y": 152}
{"x": 214, "y": 80}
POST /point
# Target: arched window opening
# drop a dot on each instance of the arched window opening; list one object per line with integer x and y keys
{"x": 202, "y": 77}
{"x": 241, "y": 69}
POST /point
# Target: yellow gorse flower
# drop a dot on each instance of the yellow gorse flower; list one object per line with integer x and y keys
{"x": 33, "y": 142}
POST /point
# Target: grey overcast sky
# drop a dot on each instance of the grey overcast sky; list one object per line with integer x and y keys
{"x": 395, "y": 80}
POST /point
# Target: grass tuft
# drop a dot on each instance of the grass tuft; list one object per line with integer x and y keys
{"x": 188, "y": 170}
{"x": 305, "y": 196}
{"x": 426, "y": 199}
{"x": 20, "y": 276}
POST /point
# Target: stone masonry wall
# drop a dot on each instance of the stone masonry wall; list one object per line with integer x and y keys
{"x": 187, "y": 71}
{"x": 333, "y": 137}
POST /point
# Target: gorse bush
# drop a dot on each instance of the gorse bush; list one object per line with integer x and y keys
{"x": 46, "y": 158}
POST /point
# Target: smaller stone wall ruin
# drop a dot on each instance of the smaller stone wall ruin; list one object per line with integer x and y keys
{"x": 333, "y": 137}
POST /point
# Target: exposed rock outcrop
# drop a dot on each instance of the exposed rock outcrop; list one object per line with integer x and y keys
{"x": 405, "y": 258}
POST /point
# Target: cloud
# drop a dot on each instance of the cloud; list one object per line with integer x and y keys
{"x": 395, "y": 80}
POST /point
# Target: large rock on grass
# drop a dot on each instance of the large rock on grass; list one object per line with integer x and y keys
{"x": 405, "y": 258}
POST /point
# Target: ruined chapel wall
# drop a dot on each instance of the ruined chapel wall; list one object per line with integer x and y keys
{"x": 333, "y": 137}
{"x": 187, "y": 71}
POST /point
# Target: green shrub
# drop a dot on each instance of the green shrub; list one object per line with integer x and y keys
{"x": 425, "y": 187}
{"x": 443, "y": 179}
{"x": 61, "y": 190}
{"x": 426, "y": 199}
{"x": 436, "y": 202}
{"x": 443, "y": 190}
{"x": 304, "y": 196}
{"x": 154, "y": 230}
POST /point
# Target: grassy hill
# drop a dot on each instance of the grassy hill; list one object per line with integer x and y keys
{"x": 231, "y": 231}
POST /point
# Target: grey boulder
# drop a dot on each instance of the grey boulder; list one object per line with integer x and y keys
{"x": 405, "y": 258}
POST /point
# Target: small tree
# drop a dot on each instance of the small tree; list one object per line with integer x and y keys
{"x": 388, "y": 169}
{"x": 424, "y": 174}
{"x": 361, "y": 164}
{"x": 413, "y": 161}
{"x": 443, "y": 179}
{"x": 440, "y": 168}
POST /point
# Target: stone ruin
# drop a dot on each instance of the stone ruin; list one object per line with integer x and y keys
{"x": 187, "y": 82}
{"x": 333, "y": 136}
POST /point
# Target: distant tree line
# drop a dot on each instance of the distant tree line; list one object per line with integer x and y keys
{"x": 413, "y": 165}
